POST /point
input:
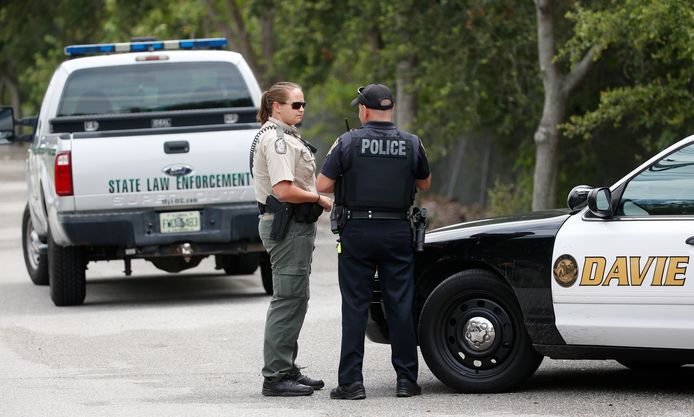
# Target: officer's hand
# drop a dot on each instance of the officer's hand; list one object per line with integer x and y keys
{"x": 326, "y": 203}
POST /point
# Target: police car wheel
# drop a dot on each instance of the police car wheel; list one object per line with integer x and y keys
{"x": 66, "y": 270}
{"x": 266, "y": 273}
{"x": 36, "y": 263}
{"x": 472, "y": 336}
{"x": 651, "y": 366}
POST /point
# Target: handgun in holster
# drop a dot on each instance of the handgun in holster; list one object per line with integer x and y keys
{"x": 418, "y": 222}
{"x": 338, "y": 218}
{"x": 283, "y": 214}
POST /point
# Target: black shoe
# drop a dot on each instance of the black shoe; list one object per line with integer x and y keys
{"x": 316, "y": 384}
{"x": 407, "y": 388}
{"x": 353, "y": 391}
{"x": 285, "y": 388}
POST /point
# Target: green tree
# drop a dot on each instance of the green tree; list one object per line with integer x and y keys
{"x": 652, "y": 40}
{"x": 31, "y": 43}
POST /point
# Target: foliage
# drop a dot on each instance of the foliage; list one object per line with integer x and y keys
{"x": 652, "y": 94}
{"x": 506, "y": 198}
{"x": 475, "y": 68}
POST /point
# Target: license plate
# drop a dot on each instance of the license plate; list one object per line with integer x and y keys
{"x": 180, "y": 221}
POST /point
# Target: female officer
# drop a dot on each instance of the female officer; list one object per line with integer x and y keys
{"x": 284, "y": 167}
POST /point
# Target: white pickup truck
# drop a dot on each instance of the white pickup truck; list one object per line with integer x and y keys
{"x": 141, "y": 151}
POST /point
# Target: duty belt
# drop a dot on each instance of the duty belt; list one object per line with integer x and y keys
{"x": 376, "y": 215}
{"x": 261, "y": 207}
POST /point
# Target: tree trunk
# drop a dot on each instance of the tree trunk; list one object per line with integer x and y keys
{"x": 212, "y": 14}
{"x": 405, "y": 106}
{"x": 455, "y": 171}
{"x": 246, "y": 47}
{"x": 557, "y": 89}
{"x": 484, "y": 178}
{"x": 12, "y": 88}
{"x": 237, "y": 35}
{"x": 546, "y": 158}
{"x": 268, "y": 46}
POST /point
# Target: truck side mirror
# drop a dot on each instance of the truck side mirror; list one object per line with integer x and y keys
{"x": 7, "y": 125}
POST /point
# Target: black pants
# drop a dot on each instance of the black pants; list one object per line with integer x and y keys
{"x": 368, "y": 245}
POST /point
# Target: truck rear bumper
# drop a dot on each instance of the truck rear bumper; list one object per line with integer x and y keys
{"x": 232, "y": 225}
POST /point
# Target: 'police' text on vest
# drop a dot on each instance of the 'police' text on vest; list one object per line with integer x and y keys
{"x": 394, "y": 147}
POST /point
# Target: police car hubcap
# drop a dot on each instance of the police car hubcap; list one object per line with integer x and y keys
{"x": 479, "y": 333}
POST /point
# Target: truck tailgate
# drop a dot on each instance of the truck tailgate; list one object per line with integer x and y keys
{"x": 162, "y": 171}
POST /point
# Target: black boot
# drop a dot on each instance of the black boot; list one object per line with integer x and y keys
{"x": 316, "y": 384}
{"x": 353, "y": 391}
{"x": 285, "y": 387}
{"x": 407, "y": 388}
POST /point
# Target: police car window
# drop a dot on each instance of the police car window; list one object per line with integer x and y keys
{"x": 154, "y": 87}
{"x": 665, "y": 188}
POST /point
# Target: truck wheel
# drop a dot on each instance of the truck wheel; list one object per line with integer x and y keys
{"x": 36, "y": 263}
{"x": 66, "y": 268}
{"x": 266, "y": 272}
{"x": 472, "y": 336}
{"x": 243, "y": 264}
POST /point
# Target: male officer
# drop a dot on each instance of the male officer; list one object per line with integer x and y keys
{"x": 373, "y": 172}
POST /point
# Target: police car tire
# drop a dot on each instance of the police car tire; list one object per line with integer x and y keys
{"x": 509, "y": 360}
{"x": 650, "y": 366}
{"x": 66, "y": 270}
{"x": 266, "y": 273}
{"x": 36, "y": 263}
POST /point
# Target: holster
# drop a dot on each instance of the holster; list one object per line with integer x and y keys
{"x": 283, "y": 214}
{"x": 338, "y": 218}
{"x": 307, "y": 212}
{"x": 418, "y": 223}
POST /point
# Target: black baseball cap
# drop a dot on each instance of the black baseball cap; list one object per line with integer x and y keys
{"x": 374, "y": 96}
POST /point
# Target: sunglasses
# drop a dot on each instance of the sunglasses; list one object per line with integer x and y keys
{"x": 297, "y": 105}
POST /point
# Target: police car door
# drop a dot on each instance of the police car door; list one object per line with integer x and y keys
{"x": 634, "y": 275}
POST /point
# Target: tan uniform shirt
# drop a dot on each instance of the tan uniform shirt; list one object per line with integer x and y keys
{"x": 282, "y": 159}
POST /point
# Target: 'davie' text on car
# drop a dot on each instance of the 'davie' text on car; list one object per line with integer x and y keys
{"x": 609, "y": 278}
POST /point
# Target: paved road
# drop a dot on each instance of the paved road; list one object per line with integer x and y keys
{"x": 189, "y": 344}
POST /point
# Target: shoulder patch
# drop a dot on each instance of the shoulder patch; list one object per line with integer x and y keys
{"x": 280, "y": 146}
{"x": 337, "y": 142}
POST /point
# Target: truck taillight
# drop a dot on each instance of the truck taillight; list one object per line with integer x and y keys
{"x": 63, "y": 174}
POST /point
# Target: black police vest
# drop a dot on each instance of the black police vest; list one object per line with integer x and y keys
{"x": 380, "y": 175}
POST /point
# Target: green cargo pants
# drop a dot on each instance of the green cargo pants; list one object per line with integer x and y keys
{"x": 291, "y": 267}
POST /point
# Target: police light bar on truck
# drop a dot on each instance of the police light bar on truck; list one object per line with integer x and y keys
{"x": 110, "y": 48}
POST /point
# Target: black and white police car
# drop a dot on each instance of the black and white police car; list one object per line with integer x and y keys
{"x": 608, "y": 279}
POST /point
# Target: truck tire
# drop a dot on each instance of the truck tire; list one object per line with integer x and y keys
{"x": 266, "y": 272}
{"x": 472, "y": 335}
{"x": 243, "y": 264}
{"x": 66, "y": 270}
{"x": 36, "y": 263}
